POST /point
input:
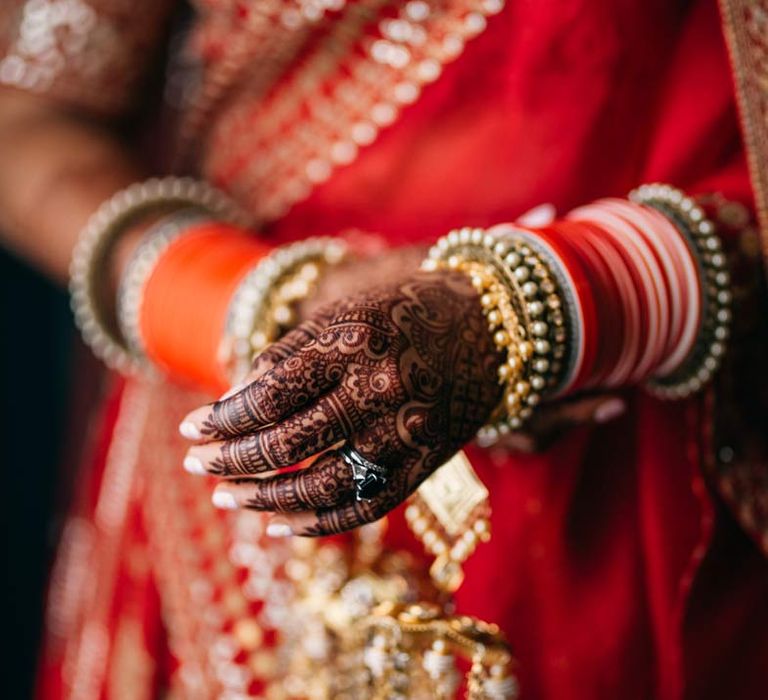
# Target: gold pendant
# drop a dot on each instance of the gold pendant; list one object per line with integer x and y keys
{"x": 450, "y": 514}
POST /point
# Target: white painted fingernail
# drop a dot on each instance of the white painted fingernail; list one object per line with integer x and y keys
{"x": 609, "y": 410}
{"x": 231, "y": 392}
{"x": 224, "y": 500}
{"x": 279, "y": 530}
{"x": 190, "y": 431}
{"x": 194, "y": 465}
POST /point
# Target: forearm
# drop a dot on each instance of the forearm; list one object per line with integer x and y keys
{"x": 56, "y": 169}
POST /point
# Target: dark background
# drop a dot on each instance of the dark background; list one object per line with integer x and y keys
{"x": 36, "y": 354}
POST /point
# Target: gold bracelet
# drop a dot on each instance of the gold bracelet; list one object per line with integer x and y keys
{"x": 533, "y": 294}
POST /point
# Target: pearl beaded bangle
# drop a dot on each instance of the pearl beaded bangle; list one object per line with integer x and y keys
{"x": 505, "y": 263}
{"x": 250, "y": 304}
{"x": 700, "y": 234}
{"x": 97, "y": 239}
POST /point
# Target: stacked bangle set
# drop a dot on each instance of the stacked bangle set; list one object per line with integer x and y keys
{"x": 189, "y": 259}
{"x": 619, "y": 292}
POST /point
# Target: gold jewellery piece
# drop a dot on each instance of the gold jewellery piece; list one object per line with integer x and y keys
{"x": 262, "y": 306}
{"x": 450, "y": 514}
{"x": 412, "y": 651}
{"x": 523, "y": 300}
{"x": 372, "y": 626}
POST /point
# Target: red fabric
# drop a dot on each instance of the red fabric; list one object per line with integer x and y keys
{"x": 610, "y": 568}
{"x": 598, "y": 542}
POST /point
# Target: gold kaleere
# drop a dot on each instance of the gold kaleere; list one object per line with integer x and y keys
{"x": 450, "y": 514}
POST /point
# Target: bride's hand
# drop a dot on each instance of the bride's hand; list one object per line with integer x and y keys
{"x": 405, "y": 375}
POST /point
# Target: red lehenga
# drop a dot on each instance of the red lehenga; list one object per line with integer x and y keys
{"x": 615, "y": 568}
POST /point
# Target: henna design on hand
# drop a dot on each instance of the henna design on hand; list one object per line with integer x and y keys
{"x": 408, "y": 372}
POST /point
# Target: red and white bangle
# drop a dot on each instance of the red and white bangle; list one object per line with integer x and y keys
{"x": 641, "y": 287}
{"x": 714, "y": 322}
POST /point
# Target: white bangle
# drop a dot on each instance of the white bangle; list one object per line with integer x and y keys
{"x": 97, "y": 239}
{"x": 130, "y": 295}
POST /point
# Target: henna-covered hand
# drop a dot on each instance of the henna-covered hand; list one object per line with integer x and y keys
{"x": 406, "y": 374}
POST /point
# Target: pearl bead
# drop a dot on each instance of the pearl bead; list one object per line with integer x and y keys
{"x": 522, "y": 273}
{"x": 530, "y": 289}
{"x": 523, "y": 388}
{"x": 724, "y": 315}
{"x": 542, "y": 347}
{"x": 535, "y": 308}
{"x": 539, "y": 328}
{"x": 722, "y": 278}
{"x": 501, "y": 338}
{"x": 513, "y": 260}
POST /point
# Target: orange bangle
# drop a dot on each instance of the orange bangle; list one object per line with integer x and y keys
{"x": 186, "y": 298}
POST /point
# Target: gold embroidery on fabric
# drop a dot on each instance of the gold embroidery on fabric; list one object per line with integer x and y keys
{"x": 372, "y": 61}
{"x": 90, "y": 52}
{"x": 745, "y": 24}
{"x": 87, "y": 659}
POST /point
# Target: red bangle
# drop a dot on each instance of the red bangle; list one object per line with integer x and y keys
{"x": 619, "y": 235}
{"x": 198, "y": 271}
{"x": 674, "y": 293}
{"x": 584, "y": 294}
{"x": 609, "y": 309}
{"x": 630, "y": 302}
